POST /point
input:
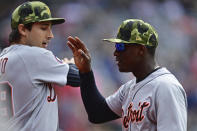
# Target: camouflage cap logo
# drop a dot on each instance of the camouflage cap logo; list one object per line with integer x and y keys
{"x": 35, "y": 11}
{"x": 136, "y": 31}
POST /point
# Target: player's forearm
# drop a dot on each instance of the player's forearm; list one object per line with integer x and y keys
{"x": 73, "y": 78}
{"x": 95, "y": 104}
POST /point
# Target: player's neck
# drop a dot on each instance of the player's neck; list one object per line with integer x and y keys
{"x": 143, "y": 72}
{"x": 21, "y": 41}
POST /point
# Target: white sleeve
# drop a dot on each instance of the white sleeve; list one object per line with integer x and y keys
{"x": 43, "y": 66}
{"x": 171, "y": 106}
{"x": 115, "y": 101}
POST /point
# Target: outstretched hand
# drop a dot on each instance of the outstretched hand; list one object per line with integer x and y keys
{"x": 81, "y": 54}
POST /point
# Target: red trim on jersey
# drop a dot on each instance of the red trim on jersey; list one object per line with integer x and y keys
{"x": 58, "y": 60}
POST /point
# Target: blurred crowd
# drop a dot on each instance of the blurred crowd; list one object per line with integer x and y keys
{"x": 94, "y": 20}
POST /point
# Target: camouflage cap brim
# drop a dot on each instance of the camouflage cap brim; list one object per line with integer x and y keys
{"x": 114, "y": 40}
{"x": 54, "y": 21}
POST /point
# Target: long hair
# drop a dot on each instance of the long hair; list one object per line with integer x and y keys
{"x": 15, "y": 36}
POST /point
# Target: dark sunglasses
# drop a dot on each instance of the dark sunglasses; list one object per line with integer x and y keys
{"x": 120, "y": 46}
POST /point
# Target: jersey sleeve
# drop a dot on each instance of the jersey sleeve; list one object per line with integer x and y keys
{"x": 115, "y": 101}
{"x": 43, "y": 66}
{"x": 171, "y": 106}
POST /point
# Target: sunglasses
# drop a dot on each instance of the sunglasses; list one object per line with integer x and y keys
{"x": 120, "y": 46}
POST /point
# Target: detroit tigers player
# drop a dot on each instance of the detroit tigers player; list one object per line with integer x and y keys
{"x": 29, "y": 71}
{"x": 153, "y": 101}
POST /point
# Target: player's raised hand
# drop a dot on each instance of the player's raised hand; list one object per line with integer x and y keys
{"x": 81, "y": 54}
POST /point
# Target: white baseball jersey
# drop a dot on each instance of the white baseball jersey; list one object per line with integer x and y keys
{"x": 158, "y": 103}
{"x": 27, "y": 98}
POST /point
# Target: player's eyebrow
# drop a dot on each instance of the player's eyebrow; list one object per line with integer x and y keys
{"x": 47, "y": 24}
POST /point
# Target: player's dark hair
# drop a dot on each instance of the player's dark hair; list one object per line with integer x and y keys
{"x": 151, "y": 50}
{"x": 15, "y": 36}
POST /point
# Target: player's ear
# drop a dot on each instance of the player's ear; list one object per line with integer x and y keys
{"x": 142, "y": 50}
{"x": 22, "y": 29}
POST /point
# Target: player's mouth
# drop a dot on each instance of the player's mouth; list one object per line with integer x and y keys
{"x": 118, "y": 61}
{"x": 44, "y": 44}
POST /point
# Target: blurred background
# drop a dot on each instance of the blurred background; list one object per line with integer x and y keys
{"x": 94, "y": 20}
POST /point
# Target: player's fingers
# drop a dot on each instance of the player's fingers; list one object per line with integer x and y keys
{"x": 82, "y": 45}
{"x": 73, "y": 41}
{"x": 84, "y": 55}
{"x": 72, "y": 47}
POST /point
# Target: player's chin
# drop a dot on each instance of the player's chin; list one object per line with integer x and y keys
{"x": 121, "y": 69}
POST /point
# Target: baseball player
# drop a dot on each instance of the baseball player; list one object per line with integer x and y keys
{"x": 28, "y": 72}
{"x": 153, "y": 101}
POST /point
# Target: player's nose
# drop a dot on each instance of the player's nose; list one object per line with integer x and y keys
{"x": 50, "y": 35}
{"x": 116, "y": 53}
